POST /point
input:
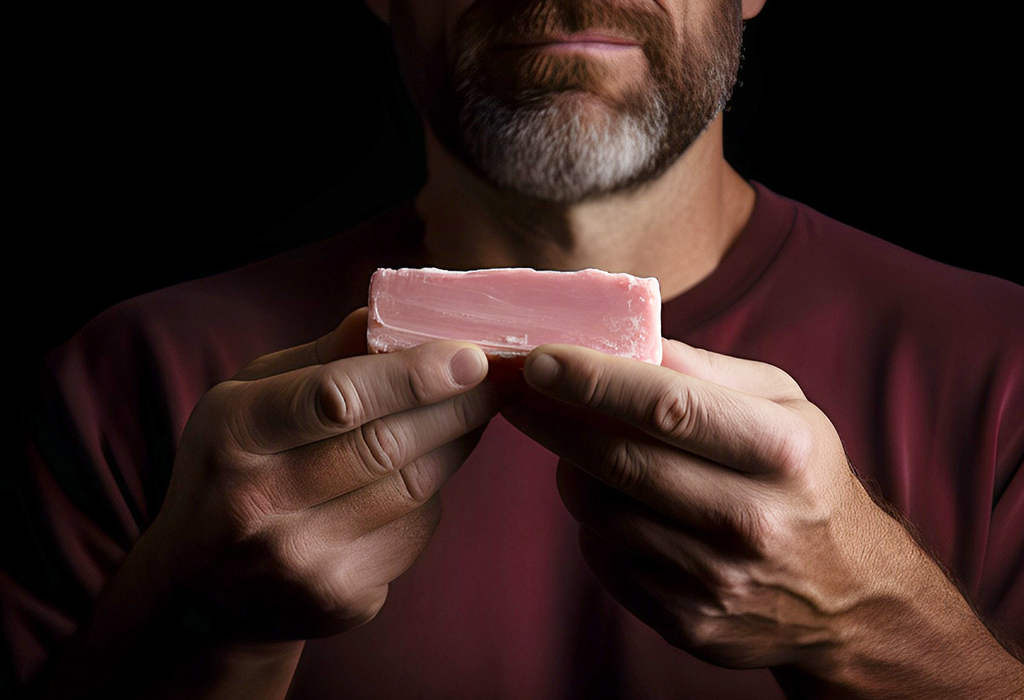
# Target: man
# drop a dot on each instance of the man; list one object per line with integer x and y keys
{"x": 710, "y": 498}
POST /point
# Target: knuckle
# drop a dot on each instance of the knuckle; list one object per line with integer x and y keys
{"x": 794, "y": 448}
{"x": 416, "y": 483}
{"x": 378, "y": 447}
{"x": 418, "y": 384}
{"x": 626, "y": 466}
{"x": 245, "y": 512}
{"x": 340, "y": 597}
{"x": 593, "y": 389}
{"x": 713, "y": 577}
{"x": 674, "y": 412}
{"x": 714, "y": 362}
{"x": 729, "y": 591}
{"x": 353, "y": 606}
{"x": 328, "y": 595}
{"x": 699, "y": 632}
{"x": 756, "y": 530}
{"x": 336, "y": 399}
{"x": 462, "y": 412}
{"x": 371, "y": 604}
{"x": 783, "y": 380}
{"x": 472, "y": 410}
{"x": 286, "y": 553}
{"x": 700, "y": 624}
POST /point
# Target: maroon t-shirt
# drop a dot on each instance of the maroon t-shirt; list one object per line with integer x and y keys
{"x": 920, "y": 367}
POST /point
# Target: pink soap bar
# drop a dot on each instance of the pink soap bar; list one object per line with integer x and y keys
{"x": 510, "y": 311}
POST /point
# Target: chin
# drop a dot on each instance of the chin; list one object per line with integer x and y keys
{"x": 571, "y": 147}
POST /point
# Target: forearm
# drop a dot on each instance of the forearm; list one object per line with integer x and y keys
{"x": 915, "y": 637}
{"x": 134, "y": 645}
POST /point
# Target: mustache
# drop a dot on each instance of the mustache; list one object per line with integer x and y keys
{"x": 490, "y": 23}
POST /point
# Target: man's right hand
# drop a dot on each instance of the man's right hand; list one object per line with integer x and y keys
{"x": 309, "y": 481}
{"x": 301, "y": 488}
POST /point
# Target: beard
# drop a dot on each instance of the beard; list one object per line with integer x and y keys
{"x": 565, "y": 128}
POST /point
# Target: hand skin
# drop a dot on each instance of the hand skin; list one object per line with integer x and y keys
{"x": 301, "y": 488}
{"x": 718, "y": 506}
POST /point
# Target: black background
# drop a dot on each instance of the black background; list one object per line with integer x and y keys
{"x": 156, "y": 146}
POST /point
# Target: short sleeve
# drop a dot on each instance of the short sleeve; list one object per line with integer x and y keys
{"x": 1001, "y": 596}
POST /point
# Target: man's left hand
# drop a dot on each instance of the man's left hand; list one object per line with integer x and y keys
{"x": 717, "y": 504}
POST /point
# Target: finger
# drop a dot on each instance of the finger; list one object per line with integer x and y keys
{"x": 738, "y": 430}
{"x": 682, "y": 486}
{"x": 351, "y": 577}
{"x": 750, "y": 376}
{"x": 639, "y": 586}
{"x": 347, "y": 340}
{"x": 632, "y": 526}
{"x": 373, "y": 506}
{"x": 727, "y": 618}
{"x": 378, "y": 450}
{"x": 382, "y": 555}
{"x": 284, "y": 411}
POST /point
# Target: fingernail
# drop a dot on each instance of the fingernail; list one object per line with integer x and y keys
{"x": 468, "y": 366}
{"x": 542, "y": 370}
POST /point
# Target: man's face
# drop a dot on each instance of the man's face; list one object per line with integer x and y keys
{"x": 568, "y": 99}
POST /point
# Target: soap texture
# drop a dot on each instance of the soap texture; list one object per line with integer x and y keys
{"x": 510, "y": 311}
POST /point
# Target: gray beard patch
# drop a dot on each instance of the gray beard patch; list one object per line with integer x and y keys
{"x": 560, "y": 149}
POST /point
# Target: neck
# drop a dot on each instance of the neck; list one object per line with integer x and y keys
{"x": 676, "y": 228}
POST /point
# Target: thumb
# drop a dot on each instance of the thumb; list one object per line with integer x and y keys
{"x": 347, "y": 340}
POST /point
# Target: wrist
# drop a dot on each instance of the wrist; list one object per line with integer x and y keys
{"x": 175, "y": 551}
{"x": 908, "y": 633}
